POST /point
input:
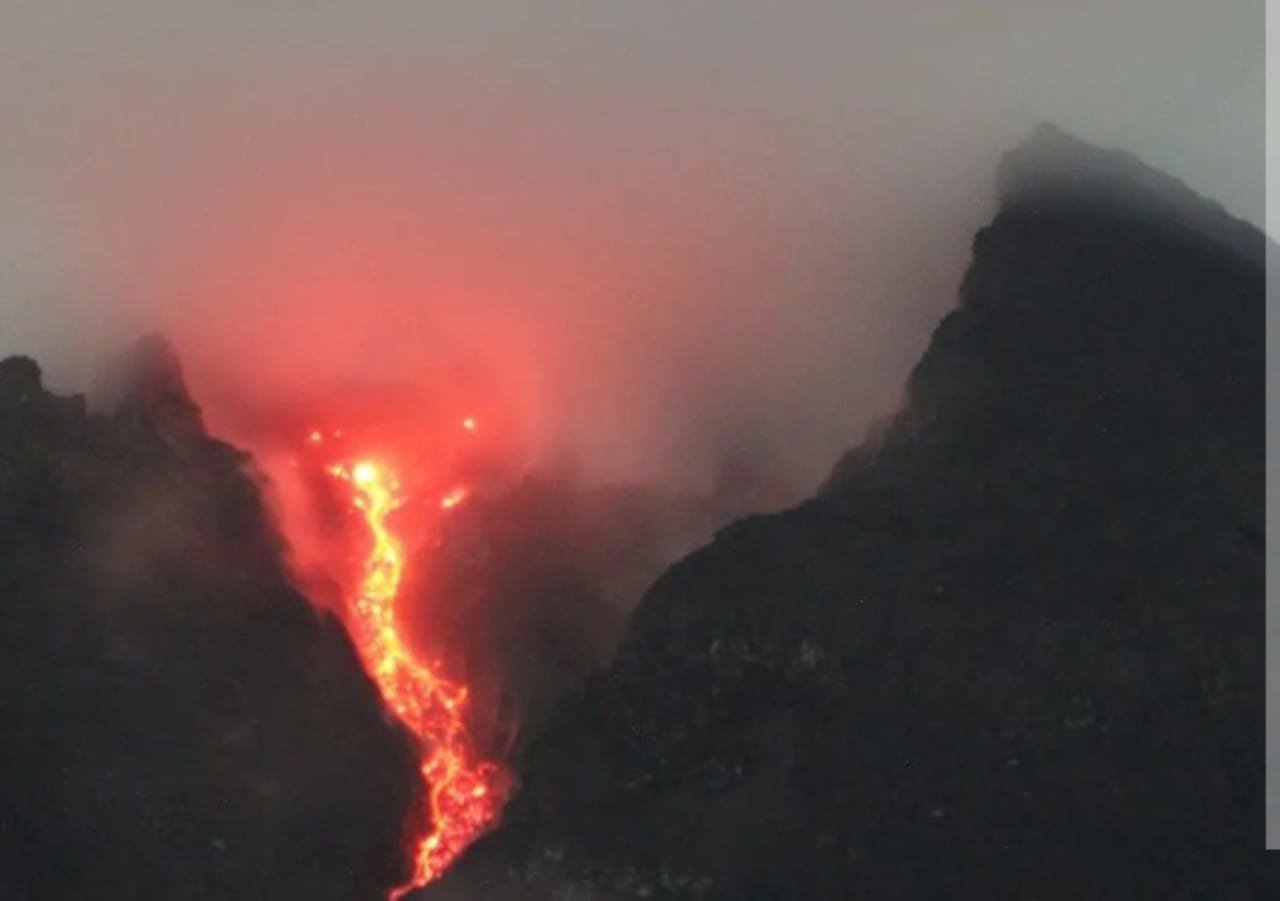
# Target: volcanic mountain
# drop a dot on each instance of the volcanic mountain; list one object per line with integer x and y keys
{"x": 1012, "y": 649}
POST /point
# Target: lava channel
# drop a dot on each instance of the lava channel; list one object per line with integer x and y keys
{"x": 466, "y": 794}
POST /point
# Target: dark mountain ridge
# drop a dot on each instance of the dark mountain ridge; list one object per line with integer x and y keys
{"x": 1013, "y": 649}
{"x": 178, "y": 721}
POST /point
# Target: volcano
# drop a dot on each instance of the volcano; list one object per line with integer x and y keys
{"x": 1012, "y": 647}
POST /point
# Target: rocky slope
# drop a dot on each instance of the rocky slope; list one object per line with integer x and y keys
{"x": 1013, "y": 649}
{"x": 177, "y": 721}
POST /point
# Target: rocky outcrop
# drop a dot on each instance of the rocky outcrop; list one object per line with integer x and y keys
{"x": 177, "y": 721}
{"x": 1012, "y": 650}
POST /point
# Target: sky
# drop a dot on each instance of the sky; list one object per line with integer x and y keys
{"x": 683, "y": 233}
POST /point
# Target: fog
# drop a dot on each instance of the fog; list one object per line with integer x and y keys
{"x": 676, "y": 257}
{"x": 679, "y": 235}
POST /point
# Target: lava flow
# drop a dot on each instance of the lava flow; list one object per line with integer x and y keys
{"x": 466, "y": 794}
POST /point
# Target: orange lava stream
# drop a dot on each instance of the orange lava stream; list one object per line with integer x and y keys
{"x": 466, "y": 794}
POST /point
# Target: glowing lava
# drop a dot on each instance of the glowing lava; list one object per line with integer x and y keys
{"x": 466, "y": 794}
{"x": 453, "y": 498}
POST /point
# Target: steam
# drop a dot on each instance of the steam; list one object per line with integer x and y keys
{"x": 686, "y": 237}
{"x": 649, "y": 298}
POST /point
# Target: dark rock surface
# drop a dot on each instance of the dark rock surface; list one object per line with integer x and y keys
{"x": 1014, "y": 648}
{"x": 176, "y": 721}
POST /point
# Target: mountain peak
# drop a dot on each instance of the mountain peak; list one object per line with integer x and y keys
{"x": 1055, "y": 171}
{"x": 151, "y": 390}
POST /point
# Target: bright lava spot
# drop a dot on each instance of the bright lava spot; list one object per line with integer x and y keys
{"x": 315, "y": 437}
{"x": 453, "y": 498}
{"x": 466, "y": 794}
{"x": 469, "y": 424}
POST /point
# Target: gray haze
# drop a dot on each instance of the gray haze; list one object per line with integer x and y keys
{"x": 684, "y": 231}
